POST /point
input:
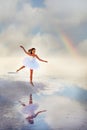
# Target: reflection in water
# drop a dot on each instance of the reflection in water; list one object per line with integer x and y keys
{"x": 65, "y": 104}
{"x": 11, "y": 117}
{"x": 30, "y": 110}
{"x": 74, "y": 92}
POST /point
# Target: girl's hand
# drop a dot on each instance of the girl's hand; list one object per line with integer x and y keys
{"x": 44, "y": 110}
{"x": 21, "y": 46}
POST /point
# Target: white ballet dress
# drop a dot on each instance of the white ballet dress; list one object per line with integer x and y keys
{"x": 30, "y": 109}
{"x": 31, "y": 62}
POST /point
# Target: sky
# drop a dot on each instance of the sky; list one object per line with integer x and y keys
{"x": 56, "y": 28}
{"x": 53, "y": 27}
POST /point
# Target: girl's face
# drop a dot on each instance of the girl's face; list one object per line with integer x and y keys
{"x": 33, "y": 51}
{"x": 31, "y": 121}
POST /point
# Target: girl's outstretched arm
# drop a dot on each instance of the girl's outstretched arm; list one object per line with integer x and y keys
{"x": 39, "y": 113}
{"x": 41, "y": 59}
{"x": 24, "y": 50}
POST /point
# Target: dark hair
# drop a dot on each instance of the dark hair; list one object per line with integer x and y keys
{"x": 30, "y": 50}
{"x": 31, "y": 121}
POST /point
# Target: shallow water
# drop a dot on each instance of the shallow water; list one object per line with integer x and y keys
{"x": 64, "y": 99}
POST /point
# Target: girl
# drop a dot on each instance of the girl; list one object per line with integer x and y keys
{"x": 30, "y": 62}
{"x": 30, "y": 110}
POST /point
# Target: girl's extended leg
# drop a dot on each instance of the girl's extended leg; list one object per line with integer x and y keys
{"x": 20, "y": 68}
{"x": 31, "y": 76}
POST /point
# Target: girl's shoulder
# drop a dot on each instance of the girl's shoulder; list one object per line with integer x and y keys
{"x": 36, "y": 55}
{"x": 33, "y": 55}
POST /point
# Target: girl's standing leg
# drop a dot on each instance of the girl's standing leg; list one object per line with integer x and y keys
{"x": 31, "y": 76}
{"x": 30, "y": 99}
{"x": 30, "y": 102}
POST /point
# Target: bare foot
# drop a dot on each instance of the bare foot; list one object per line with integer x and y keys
{"x": 30, "y": 95}
{"x": 32, "y": 83}
{"x": 17, "y": 70}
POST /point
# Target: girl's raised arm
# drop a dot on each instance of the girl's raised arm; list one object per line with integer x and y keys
{"x": 40, "y": 59}
{"x": 24, "y": 50}
{"x": 39, "y": 113}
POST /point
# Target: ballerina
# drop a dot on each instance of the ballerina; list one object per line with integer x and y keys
{"x": 30, "y": 62}
{"x": 30, "y": 110}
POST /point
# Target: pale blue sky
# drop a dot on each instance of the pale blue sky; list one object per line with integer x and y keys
{"x": 37, "y": 3}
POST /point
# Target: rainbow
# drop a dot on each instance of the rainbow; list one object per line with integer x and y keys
{"x": 68, "y": 44}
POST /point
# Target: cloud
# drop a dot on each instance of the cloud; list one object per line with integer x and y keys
{"x": 63, "y": 113}
{"x": 46, "y": 44}
{"x": 18, "y": 19}
{"x": 7, "y": 11}
{"x": 68, "y": 12}
{"x": 83, "y": 47}
{"x": 11, "y": 39}
{"x": 20, "y": 14}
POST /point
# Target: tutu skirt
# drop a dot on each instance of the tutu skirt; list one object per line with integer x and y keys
{"x": 30, "y": 109}
{"x": 30, "y": 62}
